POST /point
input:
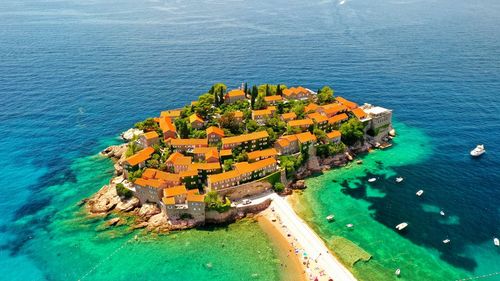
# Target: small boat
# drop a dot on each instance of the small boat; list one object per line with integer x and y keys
{"x": 446, "y": 241}
{"x": 349, "y": 225}
{"x": 478, "y": 151}
{"x": 401, "y": 226}
{"x": 359, "y": 162}
{"x": 399, "y": 179}
{"x": 441, "y": 213}
{"x": 420, "y": 192}
{"x": 330, "y": 218}
{"x": 392, "y": 133}
{"x": 372, "y": 179}
{"x": 496, "y": 241}
{"x": 397, "y": 272}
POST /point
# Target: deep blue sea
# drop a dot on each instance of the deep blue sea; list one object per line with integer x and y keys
{"x": 74, "y": 74}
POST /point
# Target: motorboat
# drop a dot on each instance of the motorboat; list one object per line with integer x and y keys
{"x": 372, "y": 179}
{"x": 446, "y": 241}
{"x": 330, "y": 218}
{"x": 399, "y": 179}
{"x": 478, "y": 151}
{"x": 401, "y": 226}
{"x": 496, "y": 241}
{"x": 349, "y": 225}
{"x": 441, "y": 213}
{"x": 420, "y": 192}
{"x": 397, "y": 272}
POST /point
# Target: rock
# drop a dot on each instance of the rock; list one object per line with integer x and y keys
{"x": 127, "y": 205}
{"x": 148, "y": 210}
{"x": 115, "y": 151}
{"x": 140, "y": 225}
{"x": 104, "y": 200}
{"x": 118, "y": 169}
{"x": 113, "y": 221}
{"x": 129, "y": 134}
{"x": 82, "y": 202}
{"x": 158, "y": 222}
{"x": 300, "y": 184}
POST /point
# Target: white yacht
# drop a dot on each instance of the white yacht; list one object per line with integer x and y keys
{"x": 441, "y": 213}
{"x": 330, "y": 218}
{"x": 401, "y": 226}
{"x": 350, "y": 225}
{"x": 420, "y": 192}
{"x": 372, "y": 179}
{"x": 446, "y": 241}
{"x": 478, "y": 151}
{"x": 398, "y": 272}
{"x": 399, "y": 179}
{"x": 496, "y": 241}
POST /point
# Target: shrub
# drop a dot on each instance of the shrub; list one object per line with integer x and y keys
{"x": 279, "y": 187}
{"x": 215, "y": 202}
{"x": 122, "y": 191}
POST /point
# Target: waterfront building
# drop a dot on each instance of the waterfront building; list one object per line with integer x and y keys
{"x": 347, "y": 103}
{"x": 148, "y": 139}
{"x": 249, "y": 142}
{"x": 297, "y": 93}
{"x": 167, "y": 127}
{"x": 243, "y": 172}
{"x": 379, "y": 121}
{"x": 179, "y": 202}
{"x": 334, "y": 136}
{"x": 139, "y": 159}
{"x": 171, "y": 114}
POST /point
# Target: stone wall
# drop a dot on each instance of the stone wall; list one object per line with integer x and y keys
{"x": 238, "y": 192}
{"x": 214, "y": 217}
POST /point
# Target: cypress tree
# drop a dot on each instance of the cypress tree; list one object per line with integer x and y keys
{"x": 221, "y": 95}
{"x": 278, "y": 90}
{"x": 268, "y": 93}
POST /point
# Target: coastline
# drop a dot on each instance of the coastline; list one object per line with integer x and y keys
{"x": 307, "y": 248}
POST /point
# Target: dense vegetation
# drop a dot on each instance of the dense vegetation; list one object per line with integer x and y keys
{"x": 122, "y": 191}
{"x": 215, "y": 202}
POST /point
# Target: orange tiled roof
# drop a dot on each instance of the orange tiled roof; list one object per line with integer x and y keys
{"x": 204, "y": 150}
{"x": 262, "y": 153}
{"x": 226, "y": 152}
{"x": 245, "y": 138}
{"x": 191, "y": 197}
{"x": 215, "y": 130}
{"x": 292, "y": 91}
{"x": 347, "y": 103}
{"x": 305, "y": 137}
{"x": 273, "y": 98}
{"x": 283, "y": 142}
{"x": 289, "y": 116}
{"x": 206, "y": 166}
{"x": 149, "y": 173}
{"x": 317, "y": 117}
{"x": 168, "y": 200}
{"x": 223, "y": 176}
{"x": 262, "y": 112}
{"x": 334, "y": 108}
{"x": 302, "y": 122}
{"x": 167, "y": 176}
{"x": 195, "y": 118}
{"x": 189, "y": 142}
{"x": 175, "y": 190}
{"x": 245, "y": 167}
{"x": 359, "y": 113}
{"x": 212, "y": 154}
{"x": 140, "y": 156}
{"x": 235, "y": 93}
{"x": 189, "y": 173}
{"x": 151, "y": 135}
{"x": 310, "y": 107}
{"x": 166, "y": 124}
{"x": 170, "y": 113}
{"x": 150, "y": 182}
{"x": 337, "y": 118}
{"x": 177, "y": 158}
{"x": 333, "y": 134}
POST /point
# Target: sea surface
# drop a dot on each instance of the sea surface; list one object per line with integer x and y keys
{"x": 74, "y": 74}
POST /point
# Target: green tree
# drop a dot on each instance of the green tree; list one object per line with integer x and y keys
{"x": 214, "y": 201}
{"x": 204, "y": 107}
{"x": 122, "y": 191}
{"x": 228, "y": 165}
{"x": 299, "y": 109}
{"x": 279, "y": 187}
{"x": 325, "y": 95}
{"x": 252, "y": 126}
{"x": 228, "y": 121}
{"x": 352, "y": 131}
{"x": 182, "y": 128}
{"x": 147, "y": 125}
{"x": 279, "y": 91}
{"x": 320, "y": 134}
{"x": 253, "y": 96}
{"x": 260, "y": 103}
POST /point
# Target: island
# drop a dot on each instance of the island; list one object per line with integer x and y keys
{"x": 233, "y": 153}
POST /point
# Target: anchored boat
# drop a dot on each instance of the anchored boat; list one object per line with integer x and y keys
{"x": 420, "y": 192}
{"x": 401, "y": 226}
{"x": 478, "y": 151}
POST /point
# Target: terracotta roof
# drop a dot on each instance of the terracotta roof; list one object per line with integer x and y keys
{"x": 226, "y": 152}
{"x": 204, "y": 150}
{"x": 262, "y": 112}
{"x": 333, "y": 134}
{"x": 149, "y": 173}
{"x": 306, "y": 137}
{"x": 177, "y": 158}
{"x": 189, "y": 142}
{"x": 235, "y": 93}
{"x": 206, "y": 166}
{"x": 140, "y": 156}
{"x": 195, "y": 118}
{"x": 310, "y": 107}
{"x": 189, "y": 173}
{"x": 292, "y": 91}
{"x": 302, "y": 122}
{"x": 245, "y": 167}
{"x": 262, "y": 153}
{"x": 317, "y": 117}
{"x": 212, "y": 154}
{"x": 215, "y": 130}
{"x": 150, "y": 182}
{"x": 170, "y": 113}
{"x": 151, "y": 135}
{"x": 223, "y": 176}
{"x": 347, "y": 103}
{"x": 282, "y": 142}
{"x": 333, "y": 108}
{"x": 175, "y": 190}
{"x": 337, "y": 118}
{"x": 167, "y": 176}
{"x": 359, "y": 113}
{"x": 273, "y": 98}
{"x": 246, "y": 137}
{"x": 195, "y": 197}
{"x": 289, "y": 116}
{"x": 168, "y": 200}
{"x": 166, "y": 124}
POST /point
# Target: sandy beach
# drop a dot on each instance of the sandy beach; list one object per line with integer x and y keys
{"x": 303, "y": 246}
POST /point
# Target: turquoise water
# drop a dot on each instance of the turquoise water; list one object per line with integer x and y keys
{"x": 74, "y": 74}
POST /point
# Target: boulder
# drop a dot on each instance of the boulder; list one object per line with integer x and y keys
{"x": 113, "y": 221}
{"x": 127, "y": 205}
{"x": 139, "y": 225}
{"x": 158, "y": 222}
{"x": 129, "y": 134}
{"x": 148, "y": 210}
{"x": 115, "y": 151}
{"x": 104, "y": 200}
{"x": 118, "y": 169}
{"x": 300, "y": 184}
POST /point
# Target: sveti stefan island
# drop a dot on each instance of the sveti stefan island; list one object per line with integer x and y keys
{"x": 317, "y": 140}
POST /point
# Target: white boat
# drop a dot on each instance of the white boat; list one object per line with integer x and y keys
{"x": 398, "y": 272}
{"x": 399, "y": 179}
{"x": 441, "y": 213}
{"x": 496, "y": 241}
{"x": 392, "y": 133}
{"x": 478, "y": 151}
{"x": 401, "y": 226}
{"x": 446, "y": 241}
{"x": 420, "y": 192}
{"x": 372, "y": 179}
{"x": 350, "y": 225}
{"x": 330, "y": 218}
